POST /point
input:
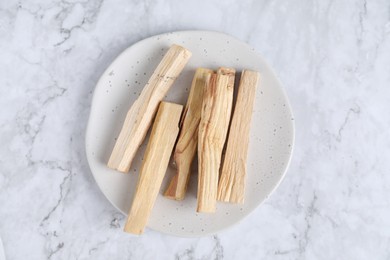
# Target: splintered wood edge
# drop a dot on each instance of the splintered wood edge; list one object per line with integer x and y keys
{"x": 187, "y": 142}
{"x": 220, "y": 93}
{"x": 232, "y": 181}
{"x": 140, "y": 115}
{"x": 156, "y": 158}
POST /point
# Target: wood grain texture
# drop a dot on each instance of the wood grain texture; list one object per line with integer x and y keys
{"x": 158, "y": 151}
{"x": 141, "y": 113}
{"x": 231, "y": 186}
{"x": 188, "y": 139}
{"x": 214, "y": 124}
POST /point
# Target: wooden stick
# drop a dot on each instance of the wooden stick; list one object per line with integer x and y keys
{"x": 141, "y": 113}
{"x": 155, "y": 163}
{"x": 214, "y": 124}
{"x": 232, "y": 182}
{"x": 188, "y": 139}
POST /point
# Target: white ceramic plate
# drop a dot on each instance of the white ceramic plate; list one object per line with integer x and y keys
{"x": 271, "y": 137}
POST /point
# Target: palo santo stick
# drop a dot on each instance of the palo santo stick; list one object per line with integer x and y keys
{"x": 231, "y": 186}
{"x": 141, "y": 113}
{"x": 214, "y": 124}
{"x": 188, "y": 138}
{"x": 162, "y": 139}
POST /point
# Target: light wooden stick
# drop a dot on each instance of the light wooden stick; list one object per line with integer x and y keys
{"x": 141, "y": 113}
{"x": 188, "y": 139}
{"x": 231, "y": 186}
{"x": 214, "y": 124}
{"x": 155, "y": 163}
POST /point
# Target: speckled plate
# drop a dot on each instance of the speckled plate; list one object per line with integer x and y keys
{"x": 271, "y": 136}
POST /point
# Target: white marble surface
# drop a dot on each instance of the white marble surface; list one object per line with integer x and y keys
{"x": 333, "y": 58}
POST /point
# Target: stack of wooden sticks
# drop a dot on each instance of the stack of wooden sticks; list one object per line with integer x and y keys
{"x": 206, "y": 126}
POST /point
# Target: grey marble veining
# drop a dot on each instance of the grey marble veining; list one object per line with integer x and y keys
{"x": 333, "y": 58}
